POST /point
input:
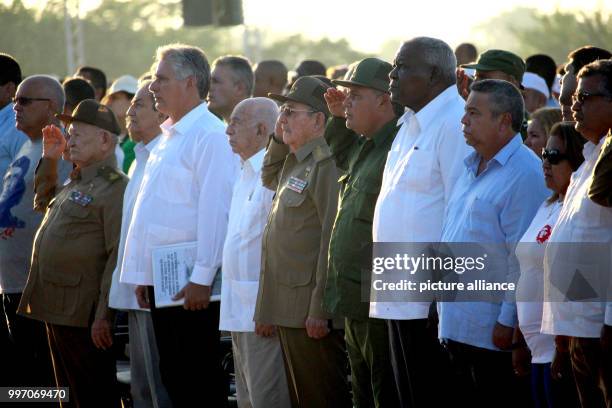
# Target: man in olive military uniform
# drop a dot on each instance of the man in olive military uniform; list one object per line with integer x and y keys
{"x": 75, "y": 251}
{"x": 360, "y": 134}
{"x": 299, "y": 166}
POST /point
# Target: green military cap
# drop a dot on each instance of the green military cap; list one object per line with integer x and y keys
{"x": 307, "y": 90}
{"x": 499, "y": 60}
{"x": 370, "y": 73}
{"x": 93, "y": 113}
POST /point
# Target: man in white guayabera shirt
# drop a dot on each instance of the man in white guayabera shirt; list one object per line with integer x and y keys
{"x": 422, "y": 167}
{"x": 184, "y": 197}
{"x": 146, "y": 387}
{"x": 258, "y": 360}
{"x": 578, "y": 250}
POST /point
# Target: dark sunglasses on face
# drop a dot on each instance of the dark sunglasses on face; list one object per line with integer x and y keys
{"x": 553, "y": 156}
{"x": 24, "y": 101}
{"x": 582, "y": 96}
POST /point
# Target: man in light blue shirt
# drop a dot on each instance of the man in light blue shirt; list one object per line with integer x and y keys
{"x": 11, "y": 139}
{"x": 493, "y": 203}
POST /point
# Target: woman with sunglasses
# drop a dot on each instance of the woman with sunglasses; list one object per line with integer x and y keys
{"x": 561, "y": 156}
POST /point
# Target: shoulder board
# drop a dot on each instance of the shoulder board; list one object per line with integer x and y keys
{"x": 110, "y": 174}
{"x": 321, "y": 153}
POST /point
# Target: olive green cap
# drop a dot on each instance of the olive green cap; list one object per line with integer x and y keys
{"x": 499, "y": 60}
{"x": 93, "y": 113}
{"x": 369, "y": 73}
{"x": 307, "y": 90}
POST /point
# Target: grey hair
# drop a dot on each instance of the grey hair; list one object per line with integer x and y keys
{"x": 241, "y": 68}
{"x": 438, "y": 54}
{"x": 186, "y": 61}
{"x": 504, "y": 97}
{"x": 52, "y": 89}
{"x": 145, "y": 84}
{"x": 263, "y": 110}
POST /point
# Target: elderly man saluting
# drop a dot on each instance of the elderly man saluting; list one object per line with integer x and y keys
{"x": 75, "y": 250}
{"x": 295, "y": 246}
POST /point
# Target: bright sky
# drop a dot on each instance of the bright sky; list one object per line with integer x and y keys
{"x": 367, "y": 24}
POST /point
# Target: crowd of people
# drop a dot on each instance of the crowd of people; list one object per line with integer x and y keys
{"x": 286, "y": 182}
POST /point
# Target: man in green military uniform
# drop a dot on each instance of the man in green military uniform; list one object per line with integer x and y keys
{"x": 299, "y": 166}
{"x": 360, "y": 134}
{"x": 75, "y": 251}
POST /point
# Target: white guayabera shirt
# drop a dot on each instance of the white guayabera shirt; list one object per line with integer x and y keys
{"x": 576, "y": 245}
{"x": 424, "y": 162}
{"x": 185, "y": 196}
{"x": 122, "y": 295}
{"x": 251, "y": 204}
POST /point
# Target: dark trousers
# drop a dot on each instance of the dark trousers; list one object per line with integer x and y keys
{"x": 420, "y": 366}
{"x": 189, "y": 355}
{"x": 484, "y": 377}
{"x": 367, "y": 344}
{"x": 7, "y": 351}
{"x": 549, "y": 392}
{"x": 592, "y": 367}
{"x": 89, "y": 372}
{"x": 29, "y": 362}
{"x": 316, "y": 369}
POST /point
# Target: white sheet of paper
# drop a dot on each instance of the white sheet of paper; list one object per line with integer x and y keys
{"x": 172, "y": 267}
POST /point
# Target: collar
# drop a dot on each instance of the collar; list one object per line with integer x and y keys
{"x": 255, "y": 162}
{"x": 501, "y": 157}
{"x": 430, "y": 112}
{"x": 88, "y": 173}
{"x": 384, "y": 132}
{"x": 590, "y": 147}
{"x": 186, "y": 122}
{"x": 143, "y": 150}
{"x": 307, "y": 149}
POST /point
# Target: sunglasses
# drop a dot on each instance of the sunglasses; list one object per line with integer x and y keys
{"x": 287, "y": 111}
{"x": 582, "y": 96}
{"x": 553, "y": 156}
{"x": 24, "y": 101}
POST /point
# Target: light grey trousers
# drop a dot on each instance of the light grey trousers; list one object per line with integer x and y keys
{"x": 147, "y": 389}
{"x": 260, "y": 374}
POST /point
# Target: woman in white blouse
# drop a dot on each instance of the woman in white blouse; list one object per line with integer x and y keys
{"x": 561, "y": 156}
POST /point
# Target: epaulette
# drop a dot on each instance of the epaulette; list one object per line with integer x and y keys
{"x": 321, "y": 153}
{"x": 110, "y": 174}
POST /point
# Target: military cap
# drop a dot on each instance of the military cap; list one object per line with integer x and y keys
{"x": 307, "y": 90}
{"x": 500, "y": 60}
{"x": 370, "y": 73}
{"x": 93, "y": 113}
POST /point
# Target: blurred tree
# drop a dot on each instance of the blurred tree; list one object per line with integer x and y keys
{"x": 295, "y": 48}
{"x": 121, "y": 37}
{"x": 527, "y": 31}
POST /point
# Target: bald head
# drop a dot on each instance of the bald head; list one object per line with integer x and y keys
{"x": 48, "y": 87}
{"x": 251, "y": 124}
{"x": 270, "y": 77}
{"x": 38, "y": 99}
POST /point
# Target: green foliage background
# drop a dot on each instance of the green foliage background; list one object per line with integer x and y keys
{"x": 121, "y": 37}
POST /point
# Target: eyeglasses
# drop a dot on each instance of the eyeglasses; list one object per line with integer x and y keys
{"x": 582, "y": 96}
{"x": 287, "y": 111}
{"x": 25, "y": 101}
{"x": 553, "y": 156}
